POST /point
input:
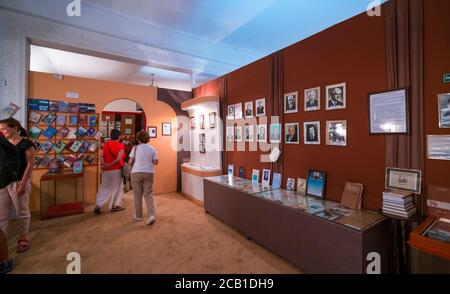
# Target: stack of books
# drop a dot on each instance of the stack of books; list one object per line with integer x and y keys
{"x": 398, "y": 203}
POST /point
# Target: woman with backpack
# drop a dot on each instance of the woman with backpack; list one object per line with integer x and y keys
{"x": 17, "y": 193}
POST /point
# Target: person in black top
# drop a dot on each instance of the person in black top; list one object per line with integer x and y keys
{"x": 18, "y": 192}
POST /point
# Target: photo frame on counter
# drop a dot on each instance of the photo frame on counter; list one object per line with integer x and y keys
{"x": 404, "y": 179}
{"x": 316, "y": 183}
{"x": 152, "y": 132}
{"x": 166, "y": 129}
{"x": 389, "y": 112}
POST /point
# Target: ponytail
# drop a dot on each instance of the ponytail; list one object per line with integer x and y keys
{"x": 14, "y": 123}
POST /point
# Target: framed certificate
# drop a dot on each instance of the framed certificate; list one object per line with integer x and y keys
{"x": 389, "y": 112}
{"x": 404, "y": 179}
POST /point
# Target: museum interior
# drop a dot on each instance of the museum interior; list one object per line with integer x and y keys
{"x": 280, "y": 137}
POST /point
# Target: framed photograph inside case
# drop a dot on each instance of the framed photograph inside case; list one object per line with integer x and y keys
{"x": 316, "y": 183}
{"x": 404, "y": 179}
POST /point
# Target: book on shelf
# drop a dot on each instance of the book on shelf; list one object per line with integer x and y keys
{"x": 48, "y": 118}
{"x": 59, "y": 146}
{"x": 34, "y": 132}
{"x": 72, "y": 133}
{"x": 82, "y": 156}
{"x": 73, "y": 120}
{"x": 46, "y": 147}
{"x": 70, "y": 160}
{"x": 82, "y": 107}
{"x": 76, "y": 146}
{"x": 78, "y": 167}
{"x": 93, "y": 146}
{"x": 398, "y": 203}
{"x": 74, "y": 107}
{"x": 98, "y": 135}
{"x": 53, "y": 106}
{"x": 37, "y": 161}
{"x": 46, "y": 159}
{"x": 63, "y": 106}
{"x": 276, "y": 182}
{"x": 90, "y": 108}
{"x": 92, "y": 120}
{"x": 84, "y": 147}
{"x": 33, "y": 104}
{"x": 352, "y": 195}
{"x": 255, "y": 176}
{"x": 50, "y": 132}
{"x": 60, "y": 158}
{"x": 61, "y": 119}
{"x": 43, "y": 105}
{"x": 91, "y": 132}
{"x": 82, "y": 119}
{"x": 35, "y": 117}
{"x": 62, "y": 132}
{"x": 91, "y": 158}
{"x": 81, "y": 132}
{"x": 10, "y": 110}
{"x": 37, "y": 145}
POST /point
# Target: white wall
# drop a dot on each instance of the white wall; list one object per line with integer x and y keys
{"x": 122, "y": 105}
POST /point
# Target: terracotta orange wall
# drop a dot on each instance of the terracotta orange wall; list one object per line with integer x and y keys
{"x": 437, "y": 63}
{"x": 99, "y": 92}
{"x": 351, "y": 52}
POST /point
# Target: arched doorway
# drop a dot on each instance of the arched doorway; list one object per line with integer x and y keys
{"x": 125, "y": 115}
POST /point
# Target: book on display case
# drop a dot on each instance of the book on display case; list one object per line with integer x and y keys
{"x": 62, "y": 135}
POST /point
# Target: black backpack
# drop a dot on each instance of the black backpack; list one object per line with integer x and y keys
{"x": 9, "y": 163}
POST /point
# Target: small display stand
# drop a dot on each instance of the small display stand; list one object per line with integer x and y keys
{"x": 62, "y": 194}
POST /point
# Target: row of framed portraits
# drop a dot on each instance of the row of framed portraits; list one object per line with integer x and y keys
{"x": 212, "y": 116}
{"x": 336, "y": 133}
{"x": 336, "y": 98}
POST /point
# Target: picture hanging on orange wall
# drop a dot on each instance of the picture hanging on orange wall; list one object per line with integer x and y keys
{"x": 312, "y": 99}
{"x": 291, "y": 102}
{"x": 152, "y": 132}
{"x": 336, "y": 96}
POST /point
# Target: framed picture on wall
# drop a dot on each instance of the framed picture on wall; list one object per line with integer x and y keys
{"x": 262, "y": 133}
{"x": 202, "y": 121}
{"x": 152, "y": 132}
{"x": 291, "y": 131}
{"x": 438, "y": 147}
{"x": 261, "y": 107}
{"x": 230, "y": 134}
{"x": 249, "y": 131}
{"x": 336, "y": 96}
{"x": 238, "y": 131}
{"x": 238, "y": 111}
{"x": 212, "y": 120}
{"x": 311, "y": 132}
{"x": 337, "y": 132}
{"x": 444, "y": 110}
{"x": 275, "y": 133}
{"x": 192, "y": 120}
{"x": 291, "y": 102}
{"x": 389, "y": 112}
{"x": 404, "y": 179}
{"x": 312, "y": 99}
{"x": 316, "y": 183}
{"x": 230, "y": 112}
{"x": 248, "y": 110}
{"x": 166, "y": 129}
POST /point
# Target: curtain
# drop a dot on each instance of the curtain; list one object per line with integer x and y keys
{"x": 277, "y": 100}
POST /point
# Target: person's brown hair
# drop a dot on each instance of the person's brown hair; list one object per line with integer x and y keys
{"x": 143, "y": 137}
{"x": 14, "y": 123}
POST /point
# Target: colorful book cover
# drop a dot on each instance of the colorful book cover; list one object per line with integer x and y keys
{"x": 93, "y": 147}
{"x": 63, "y": 106}
{"x": 82, "y": 156}
{"x": 70, "y": 160}
{"x": 78, "y": 167}
{"x": 62, "y": 132}
{"x": 91, "y": 132}
{"x": 69, "y": 145}
{"x": 46, "y": 147}
{"x": 50, "y": 132}
{"x": 82, "y": 119}
{"x": 37, "y": 145}
{"x": 276, "y": 184}
{"x": 72, "y": 133}
{"x": 92, "y": 120}
{"x": 33, "y": 104}
{"x": 10, "y": 110}
{"x": 84, "y": 147}
{"x": 98, "y": 135}
{"x": 91, "y": 158}
{"x": 34, "y": 132}
{"x": 59, "y": 146}
{"x": 82, "y": 108}
{"x": 76, "y": 146}
{"x": 37, "y": 161}
{"x": 91, "y": 108}
{"x": 35, "y": 117}
{"x": 230, "y": 169}
{"x": 49, "y": 118}
{"x": 53, "y": 106}
{"x": 45, "y": 161}
{"x": 61, "y": 120}
{"x": 242, "y": 172}
{"x": 43, "y": 105}
{"x": 81, "y": 132}
{"x": 73, "y": 120}
{"x": 60, "y": 158}
{"x": 74, "y": 107}
{"x": 255, "y": 176}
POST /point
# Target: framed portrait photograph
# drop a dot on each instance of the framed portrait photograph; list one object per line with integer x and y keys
{"x": 312, "y": 99}
{"x": 291, "y": 102}
{"x": 290, "y": 184}
{"x": 291, "y": 133}
{"x": 266, "y": 177}
{"x": 212, "y": 120}
{"x": 249, "y": 133}
{"x": 444, "y": 110}
{"x": 248, "y": 109}
{"x": 238, "y": 111}
{"x": 438, "y": 147}
{"x": 230, "y": 112}
{"x": 311, "y": 132}
{"x": 230, "y": 134}
{"x": 404, "y": 179}
{"x": 275, "y": 133}
{"x": 152, "y": 132}
{"x": 316, "y": 183}
{"x": 201, "y": 119}
{"x": 260, "y": 107}
{"x": 192, "y": 121}
{"x": 202, "y": 140}
{"x": 238, "y": 137}
{"x": 336, "y": 96}
{"x": 261, "y": 133}
{"x": 337, "y": 132}
{"x": 166, "y": 129}
{"x": 202, "y": 148}
{"x": 301, "y": 186}
{"x": 389, "y": 112}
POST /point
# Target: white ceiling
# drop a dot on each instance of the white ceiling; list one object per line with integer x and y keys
{"x": 208, "y": 38}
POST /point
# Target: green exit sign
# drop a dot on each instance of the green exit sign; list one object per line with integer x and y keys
{"x": 447, "y": 78}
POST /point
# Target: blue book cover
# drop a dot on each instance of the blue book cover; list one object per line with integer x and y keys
{"x": 81, "y": 132}
{"x": 276, "y": 184}
{"x": 33, "y": 104}
{"x": 91, "y": 132}
{"x": 92, "y": 121}
{"x": 84, "y": 147}
{"x": 63, "y": 106}
{"x": 231, "y": 169}
{"x": 49, "y": 118}
{"x": 61, "y": 120}
{"x": 43, "y": 105}
{"x": 73, "y": 120}
{"x": 46, "y": 147}
{"x": 50, "y": 132}
{"x": 53, "y": 106}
